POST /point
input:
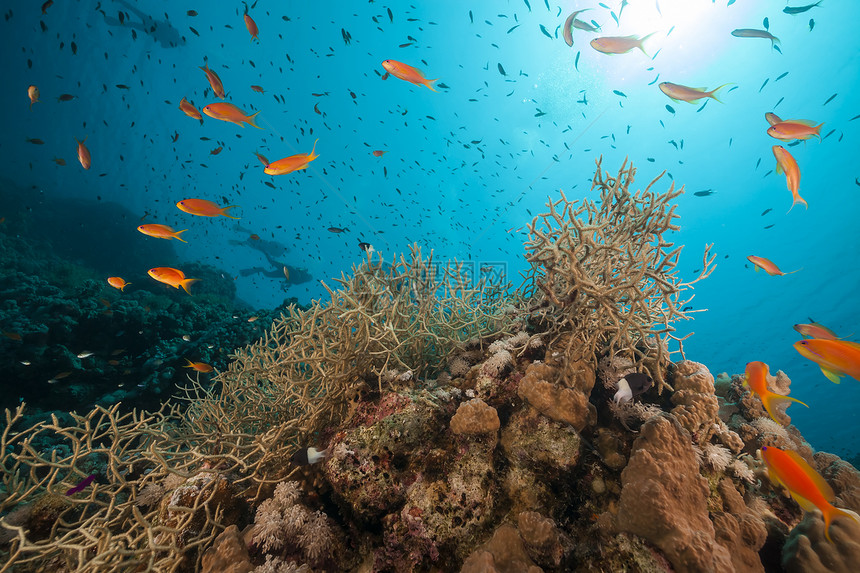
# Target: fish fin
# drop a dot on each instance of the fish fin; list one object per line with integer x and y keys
{"x": 251, "y": 121}
{"x": 177, "y": 237}
{"x": 831, "y": 375}
{"x": 801, "y": 200}
{"x": 713, "y": 92}
{"x": 834, "y": 512}
{"x": 429, "y": 84}
{"x": 771, "y": 399}
{"x": 123, "y": 287}
{"x": 187, "y": 282}
{"x": 779, "y": 170}
{"x": 642, "y": 41}
{"x": 803, "y": 502}
{"x": 311, "y": 155}
{"x": 225, "y": 209}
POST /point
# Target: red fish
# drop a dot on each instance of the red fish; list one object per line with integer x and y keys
{"x": 767, "y": 266}
{"x": 756, "y": 380}
{"x": 835, "y": 357}
{"x": 204, "y": 208}
{"x": 379, "y": 153}
{"x": 252, "y": 28}
{"x": 172, "y": 277}
{"x": 807, "y": 487}
{"x": 214, "y": 81}
{"x": 292, "y": 163}
{"x": 84, "y": 154}
{"x": 228, "y": 112}
{"x": 407, "y": 73}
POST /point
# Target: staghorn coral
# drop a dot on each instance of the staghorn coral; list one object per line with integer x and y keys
{"x": 604, "y": 269}
{"x": 137, "y": 449}
{"x": 406, "y": 316}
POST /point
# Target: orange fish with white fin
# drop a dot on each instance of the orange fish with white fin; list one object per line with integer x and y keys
{"x": 228, "y": 112}
{"x": 408, "y": 73}
{"x": 161, "y": 232}
{"x": 172, "y": 277}
{"x": 756, "y": 380}
{"x": 767, "y": 266}
{"x": 836, "y": 358}
{"x": 84, "y": 154}
{"x": 292, "y": 163}
{"x": 785, "y": 163}
{"x": 806, "y": 486}
{"x": 205, "y": 208}
{"x": 214, "y": 81}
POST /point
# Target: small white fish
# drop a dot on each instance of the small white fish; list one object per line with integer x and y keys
{"x": 26, "y": 362}
{"x": 85, "y": 354}
{"x": 186, "y": 338}
{"x": 309, "y": 456}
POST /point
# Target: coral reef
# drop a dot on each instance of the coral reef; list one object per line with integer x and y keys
{"x": 468, "y": 428}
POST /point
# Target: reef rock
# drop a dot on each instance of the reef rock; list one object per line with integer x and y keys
{"x": 696, "y": 405}
{"x": 475, "y": 417}
{"x": 228, "y": 554}
{"x": 561, "y": 404}
{"x": 665, "y": 500}
{"x": 807, "y": 550}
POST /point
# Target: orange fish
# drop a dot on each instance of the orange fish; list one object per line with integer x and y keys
{"x": 772, "y": 118}
{"x": 47, "y": 5}
{"x": 291, "y": 163}
{"x": 407, "y": 73}
{"x": 785, "y": 163}
{"x": 791, "y": 129}
{"x": 619, "y": 44}
{"x": 118, "y": 282}
{"x": 84, "y": 154}
{"x": 190, "y": 110}
{"x": 59, "y": 161}
{"x": 161, "y": 232}
{"x": 199, "y": 366}
{"x": 172, "y": 277}
{"x": 807, "y": 487}
{"x": 33, "y": 93}
{"x": 12, "y": 335}
{"x": 214, "y": 81}
{"x": 262, "y": 158}
{"x": 254, "y": 237}
{"x": 204, "y": 208}
{"x": 229, "y": 112}
{"x": 835, "y": 357}
{"x": 767, "y": 266}
{"x": 252, "y": 28}
{"x": 677, "y": 92}
{"x": 756, "y": 380}
{"x": 815, "y": 330}
{"x": 258, "y": 89}
{"x": 379, "y": 153}
{"x": 216, "y": 151}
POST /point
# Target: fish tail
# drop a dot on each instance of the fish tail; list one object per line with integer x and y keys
{"x": 311, "y": 155}
{"x": 122, "y": 288}
{"x": 817, "y": 130}
{"x": 714, "y": 91}
{"x": 771, "y": 399}
{"x": 251, "y": 121}
{"x": 831, "y": 512}
{"x": 177, "y": 237}
{"x": 797, "y": 200}
{"x": 429, "y": 84}
{"x": 642, "y": 41}
{"x": 225, "y": 209}
{"x": 187, "y": 282}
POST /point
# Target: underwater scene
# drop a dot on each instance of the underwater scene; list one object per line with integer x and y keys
{"x": 487, "y": 286}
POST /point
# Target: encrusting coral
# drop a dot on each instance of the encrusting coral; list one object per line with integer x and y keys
{"x": 467, "y": 427}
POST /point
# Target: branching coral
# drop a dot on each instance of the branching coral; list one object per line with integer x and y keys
{"x": 406, "y": 316}
{"x": 605, "y": 270}
{"x": 116, "y": 523}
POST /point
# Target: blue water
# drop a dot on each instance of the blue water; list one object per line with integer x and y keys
{"x": 469, "y": 166}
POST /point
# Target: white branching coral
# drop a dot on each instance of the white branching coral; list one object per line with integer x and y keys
{"x": 497, "y": 363}
{"x": 276, "y": 565}
{"x": 741, "y": 470}
{"x": 458, "y": 367}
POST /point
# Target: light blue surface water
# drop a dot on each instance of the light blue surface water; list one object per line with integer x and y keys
{"x": 469, "y": 166}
